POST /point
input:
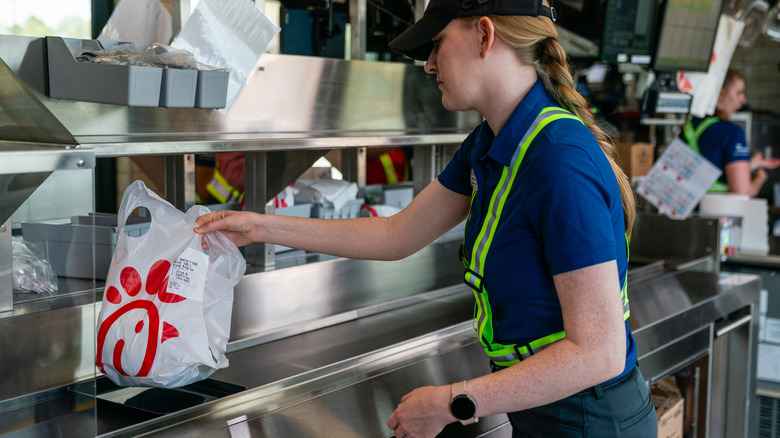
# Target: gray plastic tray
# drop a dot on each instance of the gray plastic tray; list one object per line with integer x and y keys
{"x": 68, "y": 246}
{"x": 212, "y": 89}
{"x": 130, "y": 85}
{"x": 178, "y": 88}
{"x": 326, "y": 210}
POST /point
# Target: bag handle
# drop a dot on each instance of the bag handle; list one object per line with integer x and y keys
{"x": 162, "y": 213}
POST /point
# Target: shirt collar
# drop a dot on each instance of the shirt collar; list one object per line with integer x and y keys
{"x": 504, "y": 144}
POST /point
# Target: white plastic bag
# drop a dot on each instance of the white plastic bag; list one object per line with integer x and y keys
{"x": 165, "y": 319}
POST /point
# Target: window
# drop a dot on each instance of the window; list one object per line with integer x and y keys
{"x": 67, "y": 18}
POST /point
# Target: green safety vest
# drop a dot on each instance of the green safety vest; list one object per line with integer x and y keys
{"x": 474, "y": 260}
{"x": 692, "y": 138}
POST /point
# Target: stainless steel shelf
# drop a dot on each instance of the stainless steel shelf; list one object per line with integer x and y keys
{"x": 289, "y": 103}
{"x": 259, "y": 142}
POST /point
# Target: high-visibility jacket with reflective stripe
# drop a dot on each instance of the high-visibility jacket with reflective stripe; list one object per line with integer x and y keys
{"x": 474, "y": 259}
{"x": 221, "y": 190}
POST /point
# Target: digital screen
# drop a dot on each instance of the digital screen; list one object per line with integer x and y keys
{"x": 629, "y": 31}
{"x": 687, "y": 35}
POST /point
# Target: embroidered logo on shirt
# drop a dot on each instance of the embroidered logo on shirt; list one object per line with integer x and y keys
{"x": 474, "y": 181}
{"x": 741, "y": 149}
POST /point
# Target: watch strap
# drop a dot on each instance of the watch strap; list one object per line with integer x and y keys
{"x": 459, "y": 388}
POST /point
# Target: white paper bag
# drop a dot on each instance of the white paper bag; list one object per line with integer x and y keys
{"x": 165, "y": 318}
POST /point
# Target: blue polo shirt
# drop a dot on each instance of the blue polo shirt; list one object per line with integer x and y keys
{"x": 564, "y": 212}
{"x": 722, "y": 143}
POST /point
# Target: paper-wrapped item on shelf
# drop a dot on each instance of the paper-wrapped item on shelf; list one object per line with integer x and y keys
{"x": 140, "y": 21}
{"x": 230, "y": 35}
{"x": 337, "y": 192}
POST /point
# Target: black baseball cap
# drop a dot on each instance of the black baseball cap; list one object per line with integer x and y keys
{"x": 417, "y": 41}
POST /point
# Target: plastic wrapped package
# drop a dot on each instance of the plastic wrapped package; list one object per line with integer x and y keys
{"x": 150, "y": 75}
{"x": 31, "y": 273}
{"x": 155, "y": 55}
{"x": 122, "y": 54}
{"x": 161, "y": 55}
{"x": 226, "y": 34}
{"x": 337, "y": 192}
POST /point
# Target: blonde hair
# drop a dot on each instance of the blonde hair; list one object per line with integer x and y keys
{"x": 536, "y": 42}
{"x": 731, "y": 75}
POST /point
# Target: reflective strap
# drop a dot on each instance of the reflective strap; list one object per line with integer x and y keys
{"x": 387, "y": 164}
{"x": 624, "y": 289}
{"x": 719, "y": 187}
{"x": 692, "y": 138}
{"x": 221, "y": 190}
{"x": 475, "y": 271}
{"x": 692, "y": 135}
{"x": 508, "y": 355}
{"x": 500, "y": 194}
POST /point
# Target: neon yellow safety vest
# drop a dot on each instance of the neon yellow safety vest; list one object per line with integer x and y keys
{"x": 474, "y": 260}
{"x": 692, "y": 138}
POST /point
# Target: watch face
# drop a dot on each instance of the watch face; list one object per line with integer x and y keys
{"x": 463, "y": 407}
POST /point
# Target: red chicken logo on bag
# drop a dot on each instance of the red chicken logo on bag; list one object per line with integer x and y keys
{"x": 166, "y": 309}
{"x": 156, "y": 285}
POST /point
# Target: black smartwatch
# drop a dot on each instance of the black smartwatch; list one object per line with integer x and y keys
{"x": 461, "y": 405}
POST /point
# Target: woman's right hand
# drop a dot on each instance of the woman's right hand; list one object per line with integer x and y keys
{"x": 757, "y": 161}
{"x": 238, "y": 226}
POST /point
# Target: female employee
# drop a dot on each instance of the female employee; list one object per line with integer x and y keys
{"x": 547, "y": 213}
{"x": 723, "y": 143}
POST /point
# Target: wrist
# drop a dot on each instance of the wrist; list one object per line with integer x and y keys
{"x": 462, "y": 406}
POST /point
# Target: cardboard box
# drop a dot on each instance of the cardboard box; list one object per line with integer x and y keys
{"x": 669, "y": 404}
{"x": 636, "y": 159}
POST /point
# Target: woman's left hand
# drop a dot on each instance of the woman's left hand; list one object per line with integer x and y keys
{"x": 422, "y": 413}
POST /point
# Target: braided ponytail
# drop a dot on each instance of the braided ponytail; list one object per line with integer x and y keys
{"x": 536, "y": 40}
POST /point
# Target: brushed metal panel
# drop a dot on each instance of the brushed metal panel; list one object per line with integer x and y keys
{"x": 684, "y": 240}
{"x": 47, "y": 349}
{"x": 273, "y": 300}
{"x": 22, "y": 116}
{"x": 290, "y": 102}
{"x": 24, "y": 168}
{"x": 6, "y": 270}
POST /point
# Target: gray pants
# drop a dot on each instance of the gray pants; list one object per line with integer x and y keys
{"x": 622, "y": 408}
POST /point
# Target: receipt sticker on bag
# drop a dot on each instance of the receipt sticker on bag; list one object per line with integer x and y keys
{"x": 165, "y": 316}
{"x": 188, "y": 274}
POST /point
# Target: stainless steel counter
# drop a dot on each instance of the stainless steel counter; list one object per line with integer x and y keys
{"x": 345, "y": 379}
{"x": 768, "y": 268}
